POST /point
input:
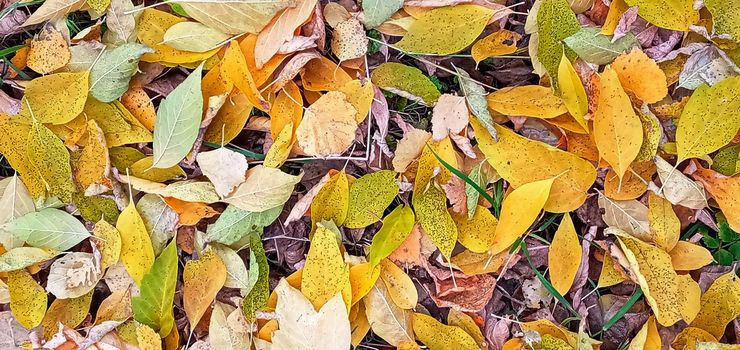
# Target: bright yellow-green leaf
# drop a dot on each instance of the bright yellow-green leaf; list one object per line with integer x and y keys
{"x": 555, "y": 22}
{"x": 332, "y": 201}
{"x": 68, "y": 100}
{"x": 202, "y": 279}
{"x": 143, "y": 169}
{"x": 720, "y": 304}
{"x": 709, "y": 120}
{"x": 669, "y": 14}
{"x": 108, "y": 242}
{"x": 369, "y": 196}
{"x": 437, "y": 336}
{"x": 520, "y": 160}
{"x": 572, "y": 91}
{"x": 27, "y": 298}
{"x": 664, "y": 223}
{"x": 69, "y": 312}
{"x": 137, "y": 253}
{"x": 446, "y": 30}
{"x": 50, "y": 158}
{"x": 325, "y": 273}
{"x": 396, "y": 227}
{"x": 564, "y": 256}
{"x": 151, "y": 26}
{"x": 399, "y": 285}
{"x": 475, "y": 233}
{"x": 405, "y": 81}
{"x": 431, "y": 213}
{"x": 617, "y": 129}
{"x": 153, "y": 306}
{"x": 519, "y": 210}
{"x": 529, "y": 100}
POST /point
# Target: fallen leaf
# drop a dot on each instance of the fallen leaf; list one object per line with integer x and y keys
{"x": 194, "y": 37}
{"x": 724, "y": 189}
{"x": 501, "y": 42}
{"x": 475, "y": 95}
{"x": 73, "y": 275}
{"x": 48, "y": 51}
{"x": 325, "y": 273}
{"x": 405, "y": 81}
{"x": 107, "y": 239}
{"x": 437, "y": 336}
{"x": 230, "y": 119}
{"x": 286, "y": 108}
{"x": 445, "y": 30}
{"x": 369, "y": 196}
{"x": 22, "y": 257}
{"x": 48, "y": 228}
{"x": 110, "y": 76}
{"x": 349, "y": 40}
{"x": 564, "y": 257}
{"x": 387, "y": 320}
{"x": 63, "y": 106}
{"x": 573, "y": 92}
{"x": 396, "y": 228}
{"x": 529, "y": 101}
{"x": 202, "y": 279}
{"x": 52, "y": 10}
{"x": 360, "y": 95}
{"x": 221, "y": 333}
{"x": 137, "y": 253}
{"x": 68, "y": 312}
{"x": 265, "y": 188}
{"x": 630, "y": 216}
{"x": 50, "y": 159}
{"x": 555, "y": 22}
{"x": 234, "y": 18}
{"x": 14, "y": 196}
{"x": 476, "y": 232}
{"x": 687, "y": 256}
{"x": 27, "y": 299}
{"x": 720, "y": 304}
{"x": 679, "y": 189}
{"x": 328, "y": 126}
{"x": 641, "y": 76}
{"x": 258, "y": 296}
{"x": 431, "y": 212}
{"x": 634, "y": 183}
{"x": 682, "y": 13}
{"x": 332, "y": 201}
{"x": 153, "y": 307}
{"x": 450, "y": 116}
{"x": 594, "y": 47}
{"x": 399, "y": 285}
{"x": 225, "y": 168}
{"x": 409, "y": 148}
{"x": 664, "y": 224}
{"x": 647, "y": 338}
{"x": 234, "y": 224}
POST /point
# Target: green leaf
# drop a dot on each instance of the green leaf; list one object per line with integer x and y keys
{"x": 476, "y": 176}
{"x": 727, "y": 161}
{"x": 153, "y": 307}
{"x": 257, "y": 297}
{"x": 22, "y": 257}
{"x": 724, "y": 17}
{"x": 396, "y": 227}
{"x": 405, "y": 81}
{"x": 723, "y": 257}
{"x": 234, "y": 224}
{"x": 178, "y": 10}
{"x": 593, "y": 47}
{"x": 92, "y": 208}
{"x": 49, "y": 228}
{"x": 726, "y": 234}
{"x": 734, "y": 249}
{"x": 109, "y": 77}
{"x": 710, "y": 242}
{"x": 178, "y": 121}
{"x": 555, "y": 22}
{"x": 369, "y": 196}
{"x": 475, "y": 95}
{"x": 378, "y": 11}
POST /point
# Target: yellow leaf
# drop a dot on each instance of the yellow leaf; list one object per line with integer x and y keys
{"x": 654, "y": 272}
{"x": 280, "y": 30}
{"x": 13, "y": 147}
{"x": 332, "y": 201}
{"x": 641, "y": 76}
{"x": 396, "y": 228}
{"x": 322, "y": 74}
{"x": 617, "y": 129}
{"x": 437, "y": 336}
{"x": 431, "y": 213}
{"x": 528, "y": 100}
{"x": 328, "y": 126}
{"x": 369, "y": 196}
{"x": 69, "y": 312}
{"x": 664, "y": 223}
{"x": 116, "y": 307}
{"x": 147, "y": 338}
{"x": 234, "y": 67}
{"x": 564, "y": 256}
{"x": 360, "y": 96}
{"x": 669, "y": 14}
{"x": 49, "y": 51}
{"x": 557, "y": 334}
{"x": 520, "y": 160}
{"x": 475, "y": 233}
{"x": 65, "y": 104}
{"x": 501, "y": 42}
{"x": 616, "y": 10}
{"x": 140, "y": 105}
{"x": 726, "y": 191}
{"x": 399, "y": 285}
{"x": 446, "y": 30}
{"x": 689, "y": 297}
{"x": 280, "y": 149}
{"x": 687, "y": 256}
{"x": 647, "y": 338}
{"x": 137, "y": 253}
{"x": 230, "y": 119}
{"x": 609, "y": 275}
{"x": 27, "y": 298}
{"x": 150, "y": 28}
{"x": 50, "y": 159}
{"x": 476, "y": 263}
{"x": 349, "y": 40}
{"x": 572, "y": 91}
{"x": 189, "y": 213}
{"x": 687, "y": 339}
{"x": 634, "y": 182}
{"x": 325, "y": 273}
{"x": 93, "y": 165}
{"x": 235, "y": 17}
{"x": 143, "y": 169}
{"x": 720, "y": 304}
{"x": 519, "y": 210}
{"x": 202, "y": 279}
{"x": 108, "y": 241}
{"x": 362, "y": 277}
{"x": 287, "y": 108}
{"x": 462, "y": 320}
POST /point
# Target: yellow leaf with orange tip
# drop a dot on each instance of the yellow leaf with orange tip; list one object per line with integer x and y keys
{"x": 287, "y": 108}
{"x": 280, "y": 149}
{"x": 202, "y": 279}
{"x": 431, "y": 212}
{"x": 140, "y": 105}
{"x": 230, "y": 119}
{"x": 325, "y": 273}
{"x": 27, "y": 298}
{"x": 641, "y": 76}
{"x": 564, "y": 256}
{"x": 234, "y": 66}
{"x": 360, "y": 96}
{"x": 634, "y": 183}
{"x": 150, "y": 28}
{"x": 475, "y": 233}
{"x": 362, "y": 277}
{"x": 437, "y": 336}
{"x": 647, "y": 338}
{"x": 520, "y": 160}
{"x": 137, "y": 252}
{"x": 501, "y": 42}
{"x": 617, "y": 129}
{"x": 687, "y": 256}
{"x": 190, "y": 213}
{"x": 726, "y": 191}
{"x": 519, "y": 211}
{"x": 572, "y": 91}
{"x": 332, "y": 201}
{"x": 664, "y": 224}
{"x": 720, "y": 304}
{"x": 321, "y": 74}
{"x": 528, "y": 100}
{"x": 399, "y": 285}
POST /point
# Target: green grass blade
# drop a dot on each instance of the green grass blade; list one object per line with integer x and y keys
{"x": 464, "y": 177}
{"x": 547, "y": 283}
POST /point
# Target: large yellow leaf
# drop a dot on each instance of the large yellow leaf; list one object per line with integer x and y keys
{"x": 572, "y": 91}
{"x": 431, "y": 213}
{"x": 69, "y": 312}
{"x": 399, "y": 285}
{"x": 93, "y": 165}
{"x": 325, "y": 273}
{"x": 328, "y": 126}
{"x": 726, "y": 191}
{"x": 709, "y": 120}
{"x": 50, "y": 159}
{"x": 13, "y": 147}
{"x": 520, "y": 160}
{"x": 720, "y": 304}
{"x": 647, "y": 338}
{"x": 362, "y": 278}
{"x": 137, "y": 253}
{"x": 332, "y": 201}
{"x": 519, "y": 210}
{"x": 641, "y": 76}
{"x": 202, "y": 279}
{"x": 529, "y": 101}
{"x": 27, "y": 298}
{"x": 234, "y": 67}
{"x": 437, "y": 336}
{"x": 664, "y": 224}
{"x": 669, "y": 14}
{"x": 564, "y": 256}
{"x": 475, "y": 233}
{"x": 446, "y": 30}
{"x": 369, "y": 196}
{"x": 617, "y": 129}
{"x": 235, "y": 17}
{"x": 687, "y": 256}
{"x": 150, "y": 29}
